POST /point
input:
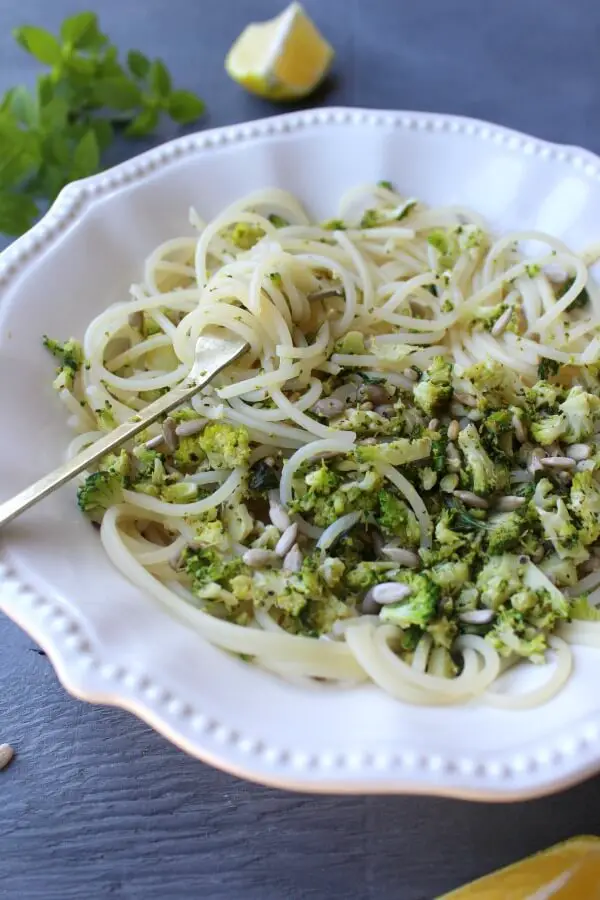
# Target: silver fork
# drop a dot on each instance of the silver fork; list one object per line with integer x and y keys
{"x": 213, "y": 353}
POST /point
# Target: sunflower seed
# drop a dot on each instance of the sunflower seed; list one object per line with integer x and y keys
{"x": 402, "y": 556}
{"x": 258, "y": 559}
{"x": 465, "y": 399}
{"x": 520, "y": 433}
{"x": 535, "y": 462}
{"x": 471, "y": 499}
{"x": 558, "y": 462}
{"x": 387, "y": 410}
{"x": 6, "y": 754}
{"x": 453, "y": 430}
{"x": 410, "y": 374}
{"x": 293, "y": 560}
{"x": 329, "y": 407}
{"x": 287, "y": 540}
{"x": 369, "y": 607}
{"x": 194, "y": 426}
{"x": 501, "y": 322}
{"x": 389, "y": 592}
{"x": 367, "y": 406}
{"x": 579, "y": 452}
{"x": 169, "y": 435}
{"x": 477, "y": 616}
{"x": 586, "y": 465}
{"x": 433, "y": 424}
{"x": 376, "y": 394}
{"x": 277, "y": 513}
{"x": 154, "y": 442}
{"x": 509, "y": 503}
{"x": 454, "y": 460}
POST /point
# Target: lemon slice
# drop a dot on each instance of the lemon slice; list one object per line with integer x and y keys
{"x": 284, "y": 58}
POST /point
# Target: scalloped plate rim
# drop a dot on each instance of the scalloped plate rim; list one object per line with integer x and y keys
{"x": 82, "y": 666}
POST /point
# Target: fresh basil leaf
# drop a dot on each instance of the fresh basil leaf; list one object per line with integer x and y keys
{"x": 86, "y": 157}
{"x": 82, "y": 64}
{"x": 40, "y": 43}
{"x": 118, "y": 93}
{"x": 159, "y": 78}
{"x": 45, "y": 89}
{"x": 80, "y": 30}
{"x": 20, "y": 154}
{"x": 24, "y": 106}
{"x": 17, "y": 213}
{"x": 185, "y": 107}
{"x": 54, "y": 114}
{"x": 104, "y": 132}
{"x": 144, "y": 123}
{"x": 138, "y": 64}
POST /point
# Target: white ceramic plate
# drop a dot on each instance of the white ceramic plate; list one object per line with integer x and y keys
{"x": 108, "y": 642}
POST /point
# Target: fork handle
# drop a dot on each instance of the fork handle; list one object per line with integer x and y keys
{"x": 116, "y": 438}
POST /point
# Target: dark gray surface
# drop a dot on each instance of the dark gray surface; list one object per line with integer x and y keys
{"x": 96, "y": 805}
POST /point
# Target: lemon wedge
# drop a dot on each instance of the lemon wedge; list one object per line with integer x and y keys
{"x": 284, "y": 58}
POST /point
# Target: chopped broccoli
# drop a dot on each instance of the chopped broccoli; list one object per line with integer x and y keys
{"x": 561, "y": 531}
{"x": 581, "y": 411}
{"x": 240, "y": 523}
{"x": 117, "y": 464}
{"x": 365, "y": 575}
{"x": 70, "y": 356}
{"x": 372, "y": 218}
{"x": 582, "y": 609}
{"x": 435, "y": 386}
{"x": 225, "y": 445}
{"x": 561, "y": 572}
{"x": 106, "y": 417}
{"x": 324, "y": 497}
{"x": 244, "y": 235}
{"x": 180, "y": 492}
{"x": 206, "y": 566}
{"x": 547, "y": 368}
{"x": 278, "y": 221}
{"x": 397, "y": 519}
{"x": 446, "y": 244}
{"x": 353, "y": 342}
{"x": 418, "y": 609}
{"x": 450, "y": 576}
{"x": 444, "y": 632}
{"x": 99, "y": 491}
{"x": 397, "y": 452}
{"x": 441, "y": 664}
{"x": 144, "y": 462}
{"x": 505, "y": 531}
{"x": 543, "y": 395}
{"x": 496, "y": 385}
{"x": 209, "y": 533}
{"x": 499, "y": 579}
{"x": 189, "y": 453}
{"x": 334, "y": 225}
{"x": 485, "y": 476}
{"x": 323, "y": 480}
{"x": 511, "y": 634}
{"x": 585, "y": 504}
{"x": 439, "y": 460}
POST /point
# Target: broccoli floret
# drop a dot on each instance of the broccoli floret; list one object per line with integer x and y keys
{"x": 395, "y": 518}
{"x": 561, "y": 572}
{"x": 238, "y": 520}
{"x": 435, "y": 387}
{"x": 439, "y": 460}
{"x": 585, "y": 503}
{"x": 447, "y": 246}
{"x": 180, "y": 492}
{"x": 206, "y": 566}
{"x": 450, "y": 576}
{"x": 544, "y": 395}
{"x": 418, "y": 609}
{"x": 225, "y": 445}
{"x": 278, "y": 221}
{"x": 365, "y": 575}
{"x": 498, "y": 423}
{"x": 583, "y": 610}
{"x": 145, "y": 462}
{"x": 496, "y": 385}
{"x": 189, "y": 453}
{"x": 70, "y": 356}
{"x": 581, "y": 411}
{"x": 209, "y": 533}
{"x": 504, "y": 531}
{"x": 332, "y": 570}
{"x": 99, "y": 491}
{"x": 106, "y": 417}
{"x": 511, "y": 634}
{"x": 334, "y": 225}
{"x": 397, "y": 453}
{"x": 353, "y": 342}
{"x": 244, "y": 235}
{"x": 372, "y": 218}
{"x": 444, "y": 632}
{"x": 445, "y": 533}
{"x": 561, "y": 531}
{"x": 500, "y": 578}
{"x": 441, "y": 664}
{"x": 118, "y": 464}
{"x": 485, "y": 476}
{"x": 322, "y": 480}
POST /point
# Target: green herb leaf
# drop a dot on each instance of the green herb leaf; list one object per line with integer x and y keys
{"x": 86, "y": 157}
{"x": 81, "y": 30}
{"x": 138, "y": 64}
{"x": 159, "y": 78}
{"x": 17, "y": 213}
{"x": 40, "y": 43}
{"x": 118, "y": 93}
{"x": 19, "y": 154}
{"x": 104, "y": 133}
{"x": 185, "y": 107}
{"x": 54, "y": 114}
{"x": 24, "y": 106}
{"x": 144, "y": 123}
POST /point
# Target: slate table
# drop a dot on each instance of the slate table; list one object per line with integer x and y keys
{"x": 96, "y": 804}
